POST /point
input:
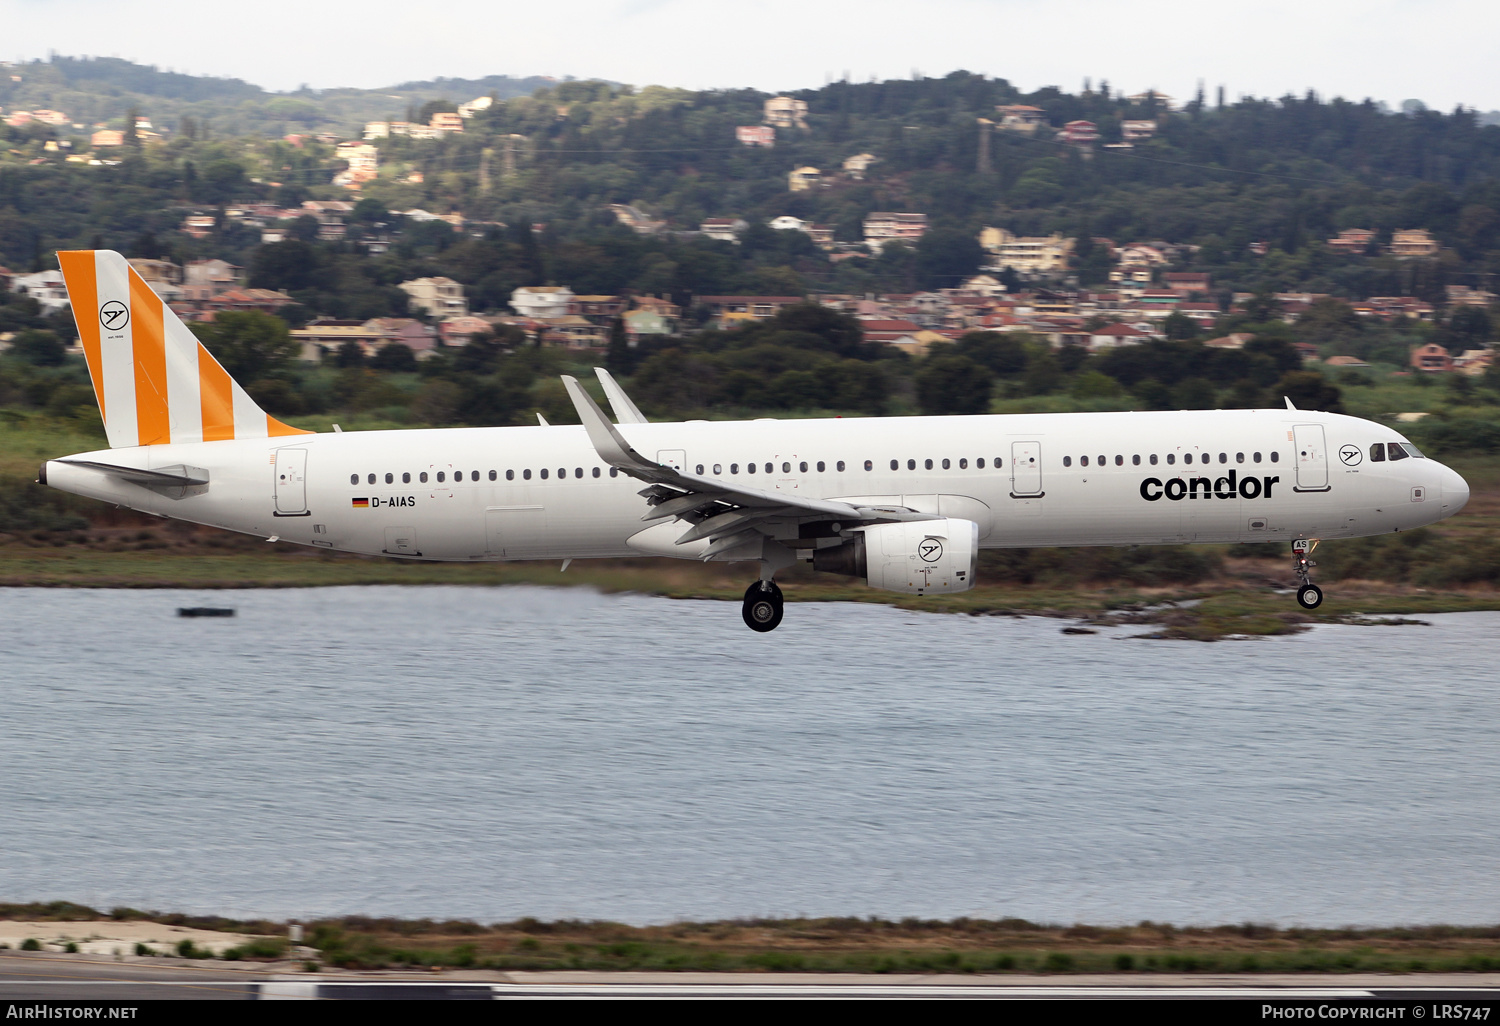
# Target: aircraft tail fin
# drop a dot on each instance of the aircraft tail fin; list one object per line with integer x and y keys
{"x": 155, "y": 382}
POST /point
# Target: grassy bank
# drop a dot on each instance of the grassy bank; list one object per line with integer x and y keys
{"x": 845, "y": 944}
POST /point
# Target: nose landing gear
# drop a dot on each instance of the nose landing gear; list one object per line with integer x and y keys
{"x": 763, "y": 606}
{"x": 1309, "y": 595}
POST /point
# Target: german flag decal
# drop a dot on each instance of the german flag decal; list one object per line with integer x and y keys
{"x": 361, "y": 503}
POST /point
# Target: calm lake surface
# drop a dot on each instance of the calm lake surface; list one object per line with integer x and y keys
{"x": 494, "y": 753}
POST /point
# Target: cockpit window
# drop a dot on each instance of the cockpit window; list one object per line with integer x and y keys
{"x": 1377, "y": 452}
{"x": 1413, "y": 450}
{"x": 1397, "y": 453}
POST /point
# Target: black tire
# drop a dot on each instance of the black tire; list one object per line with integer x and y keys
{"x": 1310, "y": 596}
{"x": 762, "y": 609}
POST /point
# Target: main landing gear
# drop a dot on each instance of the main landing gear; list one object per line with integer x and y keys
{"x": 1309, "y": 595}
{"x": 762, "y": 610}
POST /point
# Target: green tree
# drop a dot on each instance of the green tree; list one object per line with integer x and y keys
{"x": 617, "y": 358}
{"x": 946, "y": 257}
{"x": 249, "y": 344}
{"x": 951, "y": 383}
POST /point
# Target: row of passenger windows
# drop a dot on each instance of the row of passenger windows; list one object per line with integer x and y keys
{"x": 840, "y": 466}
{"x": 441, "y": 476}
{"x": 1187, "y": 457}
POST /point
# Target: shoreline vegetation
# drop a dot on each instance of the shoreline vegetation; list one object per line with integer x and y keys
{"x": 834, "y": 944}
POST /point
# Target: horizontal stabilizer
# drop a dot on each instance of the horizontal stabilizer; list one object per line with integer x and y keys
{"x": 178, "y": 476}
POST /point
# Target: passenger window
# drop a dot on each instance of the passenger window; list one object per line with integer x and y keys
{"x": 510, "y": 475}
{"x": 1239, "y": 457}
{"x": 786, "y": 468}
{"x": 526, "y": 474}
{"x": 1067, "y": 461}
{"x": 474, "y": 475}
{"x": 440, "y": 477}
{"x": 1223, "y": 457}
{"x": 544, "y": 474}
{"x": 1187, "y": 457}
{"x": 1255, "y": 457}
{"x": 390, "y": 478}
{"x": 614, "y": 471}
{"x": 734, "y": 468}
{"x": 562, "y": 473}
{"x": 1171, "y": 458}
{"x": 1102, "y": 461}
{"x": 768, "y": 468}
{"x": 718, "y": 468}
{"x": 1083, "y": 461}
{"x": 927, "y": 465}
{"x": 699, "y": 471}
{"x": 578, "y": 471}
{"x": 1275, "y": 457}
{"x": 1377, "y": 452}
{"x": 963, "y": 464}
{"x": 1153, "y": 459}
{"x": 839, "y": 466}
{"x": 895, "y": 465}
{"x": 596, "y": 471}
{"x": 749, "y": 468}
{"x": 1119, "y": 461}
{"x": 354, "y": 479}
{"x": 422, "y": 477}
{"x": 458, "y": 475}
{"x": 803, "y": 466}
{"x": 1135, "y": 460}
{"x": 371, "y": 479}
{"x": 979, "y": 463}
{"x": 911, "y": 464}
{"x": 1397, "y": 453}
{"x": 869, "y": 464}
{"x": 406, "y": 479}
{"x": 821, "y": 466}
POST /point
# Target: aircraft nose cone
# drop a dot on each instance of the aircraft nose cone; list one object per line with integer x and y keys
{"x": 1455, "y": 491}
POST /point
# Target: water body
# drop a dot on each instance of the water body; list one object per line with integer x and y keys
{"x": 493, "y": 753}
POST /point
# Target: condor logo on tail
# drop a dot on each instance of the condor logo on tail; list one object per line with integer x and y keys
{"x": 1227, "y": 487}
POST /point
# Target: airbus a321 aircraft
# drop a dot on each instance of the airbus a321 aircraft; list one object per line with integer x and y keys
{"x": 905, "y": 503}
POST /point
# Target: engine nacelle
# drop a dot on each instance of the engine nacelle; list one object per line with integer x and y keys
{"x": 922, "y": 557}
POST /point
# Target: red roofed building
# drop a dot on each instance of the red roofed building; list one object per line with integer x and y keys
{"x": 1115, "y": 335}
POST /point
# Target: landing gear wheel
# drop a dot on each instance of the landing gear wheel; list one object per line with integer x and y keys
{"x": 762, "y": 609}
{"x": 1310, "y": 596}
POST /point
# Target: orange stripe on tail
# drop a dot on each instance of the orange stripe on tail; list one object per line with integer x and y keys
{"x": 83, "y": 293}
{"x": 216, "y": 397}
{"x": 149, "y": 337}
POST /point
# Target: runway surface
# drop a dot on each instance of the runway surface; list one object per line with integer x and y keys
{"x": 47, "y": 977}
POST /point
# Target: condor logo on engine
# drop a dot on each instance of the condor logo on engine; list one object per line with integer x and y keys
{"x": 930, "y": 549}
{"x": 1226, "y": 487}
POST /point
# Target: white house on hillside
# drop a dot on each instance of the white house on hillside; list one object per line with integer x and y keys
{"x": 542, "y": 301}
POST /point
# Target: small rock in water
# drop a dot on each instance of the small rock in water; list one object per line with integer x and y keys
{"x": 203, "y": 611}
{"x": 1079, "y": 630}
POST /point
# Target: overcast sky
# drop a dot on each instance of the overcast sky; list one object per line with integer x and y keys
{"x": 1443, "y": 52}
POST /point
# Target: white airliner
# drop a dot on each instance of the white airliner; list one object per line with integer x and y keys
{"x": 905, "y": 503}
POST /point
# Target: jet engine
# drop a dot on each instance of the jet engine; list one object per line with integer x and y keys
{"x": 921, "y": 557}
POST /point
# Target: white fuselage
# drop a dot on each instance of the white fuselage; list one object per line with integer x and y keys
{"x": 1027, "y": 480}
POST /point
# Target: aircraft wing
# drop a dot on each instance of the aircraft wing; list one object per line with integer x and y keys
{"x": 726, "y": 513}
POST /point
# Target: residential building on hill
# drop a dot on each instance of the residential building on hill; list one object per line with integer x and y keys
{"x": 803, "y": 178}
{"x": 882, "y": 226}
{"x": 1414, "y": 242}
{"x": 1079, "y": 133}
{"x": 439, "y": 297}
{"x": 542, "y": 301}
{"x": 724, "y": 229}
{"x": 856, "y": 166}
{"x": 786, "y": 112}
{"x": 1025, "y": 254}
{"x": 755, "y": 135}
{"x": 1352, "y": 240}
{"x": 1018, "y": 117}
{"x": 1135, "y": 131}
{"x": 729, "y": 310}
